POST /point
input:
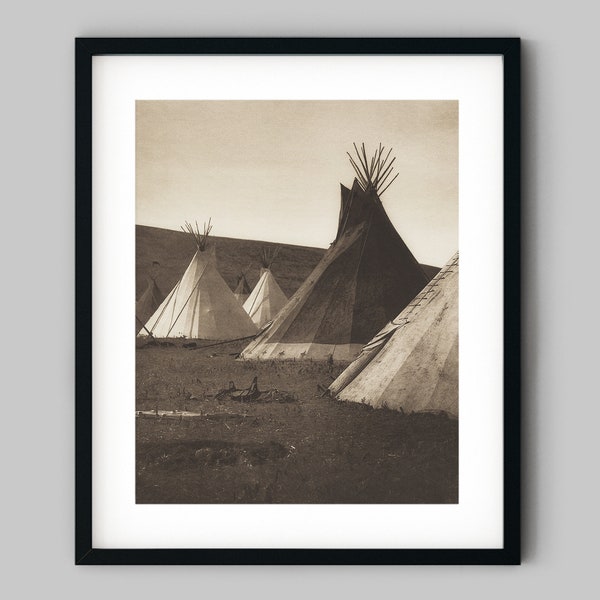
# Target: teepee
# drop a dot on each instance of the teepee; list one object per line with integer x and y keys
{"x": 411, "y": 365}
{"x": 266, "y": 299}
{"x": 242, "y": 290}
{"x": 367, "y": 276}
{"x": 150, "y": 299}
{"x": 201, "y": 305}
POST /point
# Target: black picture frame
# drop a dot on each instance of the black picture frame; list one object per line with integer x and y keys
{"x": 85, "y": 50}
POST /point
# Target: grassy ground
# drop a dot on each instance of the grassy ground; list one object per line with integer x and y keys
{"x": 312, "y": 449}
{"x": 308, "y": 449}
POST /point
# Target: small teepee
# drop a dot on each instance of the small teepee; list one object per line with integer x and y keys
{"x": 411, "y": 365}
{"x": 242, "y": 290}
{"x": 367, "y": 276}
{"x": 266, "y": 299}
{"x": 150, "y": 299}
{"x": 201, "y": 305}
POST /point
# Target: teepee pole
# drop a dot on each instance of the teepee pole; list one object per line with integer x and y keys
{"x": 364, "y": 165}
{"x": 388, "y": 185}
{"x": 359, "y": 175}
{"x": 382, "y": 167}
{"x": 373, "y": 173}
{"x": 386, "y": 173}
{"x": 366, "y": 168}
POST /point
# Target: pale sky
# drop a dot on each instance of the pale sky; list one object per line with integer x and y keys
{"x": 271, "y": 170}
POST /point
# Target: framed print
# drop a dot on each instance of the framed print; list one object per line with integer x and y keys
{"x": 318, "y": 243}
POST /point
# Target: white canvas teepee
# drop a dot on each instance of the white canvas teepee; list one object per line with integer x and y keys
{"x": 267, "y": 298}
{"x": 412, "y": 363}
{"x": 201, "y": 305}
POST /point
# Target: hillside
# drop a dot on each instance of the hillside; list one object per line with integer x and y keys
{"x": 174, "y": 249}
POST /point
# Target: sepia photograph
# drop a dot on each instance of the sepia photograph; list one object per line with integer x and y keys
{"x": 296, "y": 315}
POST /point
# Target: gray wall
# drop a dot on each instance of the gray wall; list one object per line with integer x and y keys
{"x": 560, "y": 278}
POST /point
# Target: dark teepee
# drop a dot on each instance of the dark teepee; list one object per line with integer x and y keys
{"x": 150, "y": 299}
{"x": 366, "y": 278}
{"x": 242, "y": 289}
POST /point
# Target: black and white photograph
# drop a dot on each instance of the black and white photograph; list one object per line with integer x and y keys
{"x": 296, "y": 316}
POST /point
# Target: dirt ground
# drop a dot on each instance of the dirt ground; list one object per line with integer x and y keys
{"x": 306, "y": 449}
